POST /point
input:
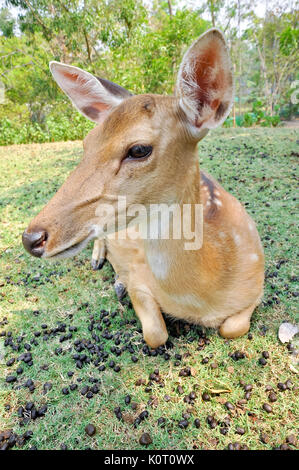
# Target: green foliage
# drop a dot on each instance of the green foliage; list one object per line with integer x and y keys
{"x": 54, "y": 129}
{"x": 158, "y": 51}
{"x": 119, "y": 40}
{"x": 274, "y": 59}
{"x": 289, "y": 40}
{"x": 229, "y": 122}
{"x": 259, "y": 116}
{"x": 7, "y": 23}
{"x": 256, "y": 117}
{"x": 140, "y": 47}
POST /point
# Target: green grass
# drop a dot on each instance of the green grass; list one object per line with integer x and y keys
{"x": 259, "y": 167}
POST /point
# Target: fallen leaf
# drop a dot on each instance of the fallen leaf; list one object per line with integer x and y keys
{"x": 293, "y": 369}
{"x": 287, "y": 331}
{"x": 230, "y": 369}
{"x": 221, "y": 390}
{"x": 193, "y": 371}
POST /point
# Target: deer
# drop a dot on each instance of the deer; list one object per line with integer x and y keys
{"x": 145, "y": 148}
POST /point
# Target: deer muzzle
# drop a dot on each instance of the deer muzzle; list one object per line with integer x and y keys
{"x": 35, "y": 242}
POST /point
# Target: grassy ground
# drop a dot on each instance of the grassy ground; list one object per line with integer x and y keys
{"x": 259, "y": 167}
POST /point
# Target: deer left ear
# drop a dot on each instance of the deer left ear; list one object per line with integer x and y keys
{"x": 205, "y": 82}
{"x": 93, "y": 97}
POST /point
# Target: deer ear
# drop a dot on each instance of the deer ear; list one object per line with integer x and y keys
{"x": 205, "y": 82}
{"x": 92, "y": 96}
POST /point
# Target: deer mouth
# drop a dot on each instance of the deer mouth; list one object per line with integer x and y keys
{"x": 71, "y": 250}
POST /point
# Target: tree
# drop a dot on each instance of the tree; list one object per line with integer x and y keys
{"x": 277, "y": 43}
{"x": 140, "y": 48}
{"x": 7, "y": 23}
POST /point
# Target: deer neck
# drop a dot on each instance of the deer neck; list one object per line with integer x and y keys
{"x": 169, "y": 258}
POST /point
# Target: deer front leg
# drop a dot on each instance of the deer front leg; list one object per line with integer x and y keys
{"x": 149, "y": 313}
{"x": 120, "y": 288}
{"x": 98, "y": 254}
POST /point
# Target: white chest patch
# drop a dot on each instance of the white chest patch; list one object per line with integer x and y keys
{"x": 158, "y": 262}
{"x": 187, "y": 299}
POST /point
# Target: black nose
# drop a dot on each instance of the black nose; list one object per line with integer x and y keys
{"x": 34, "y": 242}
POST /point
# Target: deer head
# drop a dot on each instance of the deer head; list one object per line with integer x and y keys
{"x": 143, "y": 147}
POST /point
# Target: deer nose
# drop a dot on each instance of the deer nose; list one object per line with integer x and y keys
{"x": 34, "y": 242}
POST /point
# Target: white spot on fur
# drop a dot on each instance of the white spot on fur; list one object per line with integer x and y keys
{"x": 216, "y": 192}
{"x": 237, "y": 238}
{"x": 251, "y": 226}
{"x": 253, "y": 257}
{"x": 218, "y": 202}
{"x": 222, "y": 234}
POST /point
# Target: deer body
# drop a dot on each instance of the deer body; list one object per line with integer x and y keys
{"x": 145, "y": 148}
{"x": 203, "y": 287}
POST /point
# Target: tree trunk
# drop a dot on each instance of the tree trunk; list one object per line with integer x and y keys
{"x": 87, "y": 45}
{"x": 240, "y": 55}
{"x": 170, "y": 8}
{"x": 212, "y": 11}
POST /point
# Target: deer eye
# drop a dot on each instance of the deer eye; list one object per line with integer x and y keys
{"x": 139, "y": 151}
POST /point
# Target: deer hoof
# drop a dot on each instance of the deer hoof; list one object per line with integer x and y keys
{"x": 233, "y": 327}
{"x": 120, "y": 290}
{"x": 157, "y": 339}
{"x": 97, "y": 264}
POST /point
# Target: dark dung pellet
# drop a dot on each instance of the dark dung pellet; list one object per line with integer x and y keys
{"x": 90, "y": 430}
{"x": 145, "y": 439}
